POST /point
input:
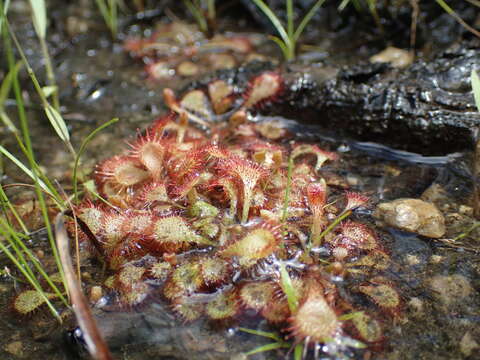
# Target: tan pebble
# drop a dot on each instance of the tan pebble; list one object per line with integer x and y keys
{"x": 413, "y": 215}
{"x": 86, "y": 276}
{"x": 398, "y": 58}
{"x": 465, "y": 210}
{"x": 436, "y": 259}
{"x": 187, "y": 68}
{"x": 239, "y": 356}
{"x": 412, "y": 260}
{"x": 468, "y": 344}
{"x": 450, "y": 289}
{"x": 40, "y": 254}
{"x": 352, "y": 180}
{"x": 434, "y": 194}
{"x": 15, "y": 348}
{"x": 416, "y": 304}
{"x": 96, "y": 294}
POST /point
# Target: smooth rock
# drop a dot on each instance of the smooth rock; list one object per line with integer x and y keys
{"x": 412, "y": 215}
{"x": 451, "y": 289}
{"x": 468, "y": 344}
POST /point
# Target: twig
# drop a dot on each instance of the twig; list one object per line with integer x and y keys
{"x": 95, "y": 343}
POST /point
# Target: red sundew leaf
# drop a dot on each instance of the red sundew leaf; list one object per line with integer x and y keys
{"x": 263, "y": 88}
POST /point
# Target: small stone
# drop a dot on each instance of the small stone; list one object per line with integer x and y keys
{"x": 15, "y": 348}
{"x": 412, "y": 260}
{"x": 468, "y": 344}
{"x": 416, "y": 305}
{"x": 465, "y": 210}
{"x": 450, "y": 289}
{"x": 352, "y": 180}
{"x": 96, "y": 294}
{"x": 398, "y": 58}
{"x": 187, "y": 68}
{"x": 412, "y": 215}
{"x": 434, "y": 194}
{"x": 436, "y": 259}
{"x": 239, "y": 356}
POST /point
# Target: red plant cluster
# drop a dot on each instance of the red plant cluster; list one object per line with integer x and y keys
{"x": 210, "y": 217}
{"x": 178, "y": 48}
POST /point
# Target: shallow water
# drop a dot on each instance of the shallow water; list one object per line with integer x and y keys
{"x": 439, "y": 281}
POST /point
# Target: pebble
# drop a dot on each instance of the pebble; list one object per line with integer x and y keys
{"x": 398, "y": 58}
{"x": 465, "y": 210}
{"x": 450, "y": 289}
{"x": 15, "y": 348}
{"x": 96, "y": 294}
{"x": 468, "y": 344}
{"x": 412, "y": 215}
{"x": 416, "y": 305}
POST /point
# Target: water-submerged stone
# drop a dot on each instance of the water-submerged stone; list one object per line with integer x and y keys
{"x": 412, "y": 215}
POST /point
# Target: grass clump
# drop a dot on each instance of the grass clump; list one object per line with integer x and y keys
{"x": 289, "y": 35}
{"x": 109, "y": 11}
{"x": 204, "y": 13}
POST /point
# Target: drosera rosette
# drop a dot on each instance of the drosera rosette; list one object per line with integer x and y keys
{"x": 317, "y": 200}
{"x": 350, "y": 239}
{"x": 131, "y": 285}
{"x": 262, "y": 89}
{"x": 253, "y": 243}
{"x": 173, "y": 233}
{"x": 119, "y": 175}
{"x": 248, "y": 174}
{"x": 178, "y": 49}
{"x": 320, "y": 155}
{"x": 314, "y": 320}
{"x": 150, "y": 151}
{"x": 29, "y": 301}
{"x": 211, "y": 217}
{"x": 381, "y": 291}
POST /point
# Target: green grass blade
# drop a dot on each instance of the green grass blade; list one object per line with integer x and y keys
{"x": 9, "y": 123}
{"x": 113, "y": 7}
{"x": 197, "y": 14}
{"x": 4, "y": 13}
{"x": 290, "y": 15}
{"x": 288, "y": 289}
{"x": 298, "y": 352}
{"x": 457, "y": 17}
{"x": 82, "y": 149}
{"x": 266, "y": 334}
{"x": 286, "y": 201}
{"x": 58, "y": 123}
{"x": 31, "y": 280}
{"x": 6, "y": 202}
{"x": 306, "y": 20}
{"x": 27, "y": 171}
{"x": 474, "y": 2}
{"x": 27, "y": 140}
{"x": 476, "y": 88}
{"x": 267, "y": 347}
{"x": 350, "y": 316}
{"x": 34, "y": 260}
{"x": 273, "y": 19}
{"x": 49, "y": 90}
{"x": 211, "y": 9}
{"x": 7, "y": 84}
{"x": 343, "y": 5}
{"x": 39, "y": 14}
{"x": 285, "y": 50}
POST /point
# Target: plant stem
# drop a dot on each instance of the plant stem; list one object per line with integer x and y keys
{"x": 28, "y": 145}
{"x": 287, "y": 190}
{"x": 50, "y": 74}
{"x": 82, "y": 149}
{"x": 342, "y": 216}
